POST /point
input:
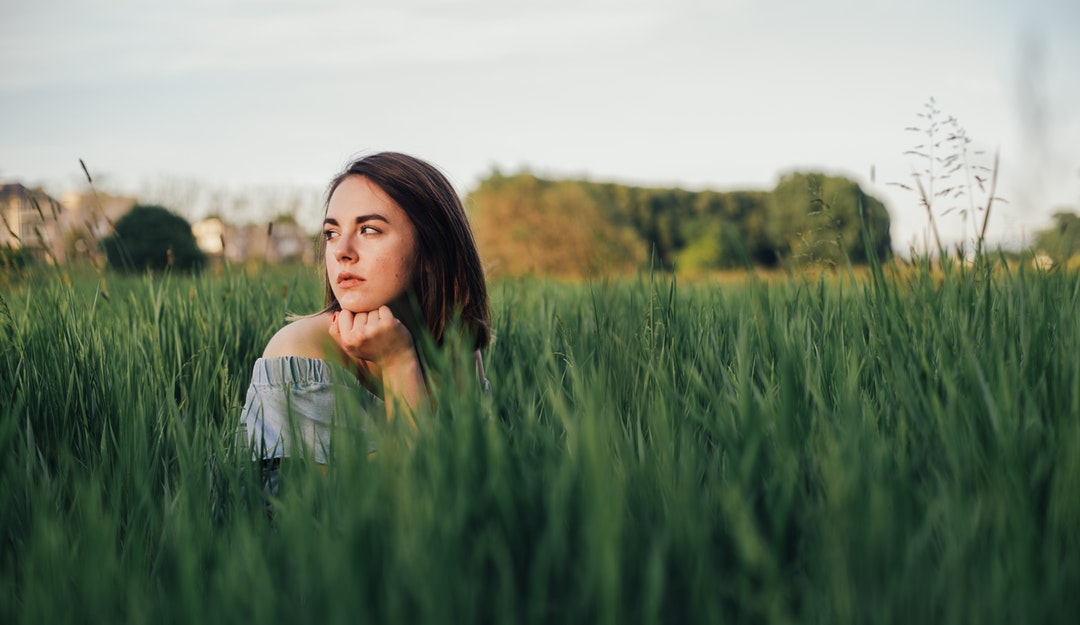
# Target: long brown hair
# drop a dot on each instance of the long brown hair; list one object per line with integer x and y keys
{"x": 449, "y": 284}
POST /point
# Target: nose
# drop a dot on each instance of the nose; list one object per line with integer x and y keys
{"x": 345, "y": 249}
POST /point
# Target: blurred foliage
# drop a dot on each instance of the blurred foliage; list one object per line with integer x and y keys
{"x": 572, "y": 228}
{"x": 1061, "y": 241}
{"x": 527, "y": 225}
{"x": 822, "y": 218}
{"x": 152, "y": 237}
{"x": 14, "y": 258}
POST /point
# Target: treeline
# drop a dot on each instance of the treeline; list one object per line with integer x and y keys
{"x": 571, "y": 228}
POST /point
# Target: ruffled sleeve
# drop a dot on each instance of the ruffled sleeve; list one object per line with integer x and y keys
{"x": 295, "y": 404}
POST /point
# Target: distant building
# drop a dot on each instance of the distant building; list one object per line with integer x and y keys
{"x": 32, "y": 222}
{"x": 72, "y": 229}
{"x": 210, "y": 236}
{"x": 288, "y": 243}
{"x": 279, "y": 241}
{"x": 1042, "y": 261}
{"x": 89, "y": 218}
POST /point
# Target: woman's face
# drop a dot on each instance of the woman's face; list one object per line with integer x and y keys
{"x": 371, "y": 248}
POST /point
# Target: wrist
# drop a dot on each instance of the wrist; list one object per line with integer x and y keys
{"x": 398, "y": 362}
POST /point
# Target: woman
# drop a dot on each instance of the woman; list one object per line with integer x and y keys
{"x": 400, "y": 261}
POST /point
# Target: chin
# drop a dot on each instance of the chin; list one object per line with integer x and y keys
{"x": 355, "y": 304}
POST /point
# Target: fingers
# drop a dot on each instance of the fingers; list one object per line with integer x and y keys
{"x": 345, "y": 321}
{"x": 382, "y": 313}
{"x": 370, "y": 335}
{"x": 335, "y": 329}
{"x": 353, "y": 321}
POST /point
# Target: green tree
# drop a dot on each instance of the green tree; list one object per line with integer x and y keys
{"x": 706, "y": 250}
{"x": 527, "y": 225}
{"x": 726, "y": 230}
{"x": 819, "y": 218}
{"x": 152, "y": 237}
{"x": 1060, "y": 241}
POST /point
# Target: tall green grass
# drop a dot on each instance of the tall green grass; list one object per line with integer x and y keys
{"x": 900, "y": 449}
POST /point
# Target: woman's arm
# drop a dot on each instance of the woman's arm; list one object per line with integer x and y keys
{"x": 379, "y": 338}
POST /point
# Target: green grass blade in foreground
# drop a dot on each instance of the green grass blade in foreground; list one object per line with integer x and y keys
{"x": 896, "y": 450}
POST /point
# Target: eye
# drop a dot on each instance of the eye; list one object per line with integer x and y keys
{"x": 369, "y": 230}
{"x": 329, "y": 234}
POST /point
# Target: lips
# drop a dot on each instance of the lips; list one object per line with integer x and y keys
{"x": 347, "y": 280}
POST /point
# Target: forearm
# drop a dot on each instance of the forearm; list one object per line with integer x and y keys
{"x": 404, "y": 388}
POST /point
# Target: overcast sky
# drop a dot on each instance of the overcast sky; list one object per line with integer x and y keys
{"x": 727, "y": 94}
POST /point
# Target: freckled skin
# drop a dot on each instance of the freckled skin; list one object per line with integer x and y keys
{"x": 370, "y": 237}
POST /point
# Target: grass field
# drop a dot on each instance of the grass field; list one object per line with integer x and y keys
{"x": 890, "y": 449}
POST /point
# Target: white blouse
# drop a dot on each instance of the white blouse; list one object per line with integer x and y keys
{"x": 294, "y": 404}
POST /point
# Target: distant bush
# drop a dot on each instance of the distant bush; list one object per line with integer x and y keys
{"x": 152, "y": 237}
{"x": 1061, "y": 241}
{"x": 814, "y": 217}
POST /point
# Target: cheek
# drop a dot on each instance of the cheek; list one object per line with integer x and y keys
{"x": 407, "y": 264}
{"x": 402, "y": 269}
{"x": 411, "y": 269}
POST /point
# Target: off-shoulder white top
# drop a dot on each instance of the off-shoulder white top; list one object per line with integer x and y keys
{"x": 294, "y": 404}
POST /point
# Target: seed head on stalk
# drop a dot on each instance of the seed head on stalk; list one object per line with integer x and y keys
{"x": 945, "y": 155}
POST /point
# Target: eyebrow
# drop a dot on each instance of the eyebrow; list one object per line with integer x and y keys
{"x": 360, "y": 219}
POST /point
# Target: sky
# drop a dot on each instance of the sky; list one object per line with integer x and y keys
{"x": 724, "y": 95}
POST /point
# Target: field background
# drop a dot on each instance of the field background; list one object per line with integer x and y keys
{"x": 900, "y": 447}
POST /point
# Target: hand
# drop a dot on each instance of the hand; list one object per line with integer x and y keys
{"x": 376, "y": 336}
{"x": 379, "y": 337}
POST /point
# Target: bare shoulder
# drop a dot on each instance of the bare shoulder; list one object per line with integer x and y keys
{"x": 306, "y": 337}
